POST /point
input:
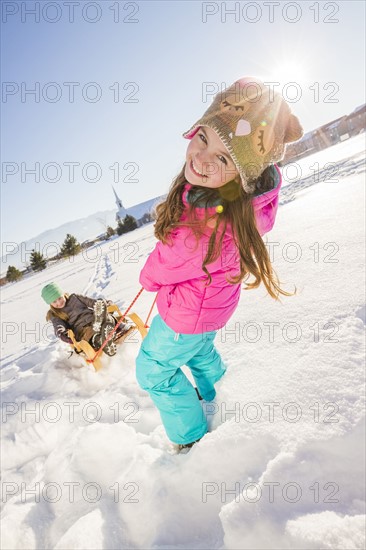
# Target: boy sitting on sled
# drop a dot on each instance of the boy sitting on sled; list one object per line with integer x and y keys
{"x": 86, "y": 317}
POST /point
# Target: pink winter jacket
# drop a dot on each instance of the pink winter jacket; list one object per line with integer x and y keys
{"x": 175, "y": 271}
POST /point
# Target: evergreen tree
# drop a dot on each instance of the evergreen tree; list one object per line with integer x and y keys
{"x": 120, "y": 228}
{"x": 13, "y": 274}
{"x": 70, "y": 246}
{"x": 146, "y": 218}
{"x": 37, "y": 261}
{"x": 129, "y": 224}
{"x": 110, "y": 231}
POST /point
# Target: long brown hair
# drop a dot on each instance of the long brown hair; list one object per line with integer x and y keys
{"x": 239, "y": 213}
{"x": 55, "y": 312}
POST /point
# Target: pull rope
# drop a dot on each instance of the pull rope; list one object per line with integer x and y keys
{"x": 152, "y": 307}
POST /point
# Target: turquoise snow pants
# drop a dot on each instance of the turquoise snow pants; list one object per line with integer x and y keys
{"x": 158, "y": 371}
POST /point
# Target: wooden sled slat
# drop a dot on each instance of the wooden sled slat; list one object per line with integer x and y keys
{"x": 113, "y": 308}
{"x": 139, "y": 323}
{"x": 89, "y": 352}
{"x": 87, "y": 349}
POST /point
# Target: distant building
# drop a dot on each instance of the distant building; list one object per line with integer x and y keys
{"x": 327, "y": 135}
{"x": 121, "y": 212}
{"x": 141, "y": 212}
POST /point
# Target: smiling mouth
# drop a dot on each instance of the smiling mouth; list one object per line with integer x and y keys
{"x": 196, "y": 171}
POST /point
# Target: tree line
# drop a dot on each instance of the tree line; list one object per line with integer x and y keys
{"x": 71, "y": 247}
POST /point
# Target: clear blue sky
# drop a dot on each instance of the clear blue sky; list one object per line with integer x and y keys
{"x": 170, "y": 52}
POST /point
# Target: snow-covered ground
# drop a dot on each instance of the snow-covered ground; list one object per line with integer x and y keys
{"x": 85, "y": 459}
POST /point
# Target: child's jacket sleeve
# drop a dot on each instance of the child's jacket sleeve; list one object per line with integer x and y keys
{"x": 266, "y": 205}
{"x": 164, "y": 268}
{"x": 60, "y": 328}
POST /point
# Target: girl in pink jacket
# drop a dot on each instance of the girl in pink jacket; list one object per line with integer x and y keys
{"x": 210, "y": 230}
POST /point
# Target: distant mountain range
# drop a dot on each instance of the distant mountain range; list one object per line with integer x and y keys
{"x": 49, "y": 242}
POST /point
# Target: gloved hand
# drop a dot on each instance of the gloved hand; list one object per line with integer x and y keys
{"x": 66, "y": 339}
{"x": 63, "y": 334}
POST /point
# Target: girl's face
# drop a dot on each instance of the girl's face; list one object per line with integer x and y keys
{"x": 208, "y": 162}
{"x": 59, "y": 303}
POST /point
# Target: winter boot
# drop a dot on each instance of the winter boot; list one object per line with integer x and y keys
{"x": 110, "y": 348}
{"x": 96, "y": 341}
{"x": 184, "y": 449}
{"x": 100, "y": 314}
{"x": 121, "y": 330}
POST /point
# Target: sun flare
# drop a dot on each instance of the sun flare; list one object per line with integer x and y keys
{"x": 290, "y": 71}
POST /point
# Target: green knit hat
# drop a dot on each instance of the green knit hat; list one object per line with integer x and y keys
{"x": 254, "y": 122}
{"x": 51, "y": 292}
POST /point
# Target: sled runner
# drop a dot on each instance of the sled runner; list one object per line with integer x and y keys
{"x": 93, "y": 356}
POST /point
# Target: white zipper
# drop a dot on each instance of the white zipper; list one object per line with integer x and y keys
{"x": 176, "y": 336}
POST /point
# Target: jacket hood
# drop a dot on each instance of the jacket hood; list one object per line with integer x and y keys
{"x": 265, "y": 205}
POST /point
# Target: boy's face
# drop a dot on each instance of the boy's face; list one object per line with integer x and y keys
{"x": 59, "y": 303}
{"x": 208, "y": 162}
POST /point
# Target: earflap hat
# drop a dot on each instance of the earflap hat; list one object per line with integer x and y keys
{"x": 255, "y": 123}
